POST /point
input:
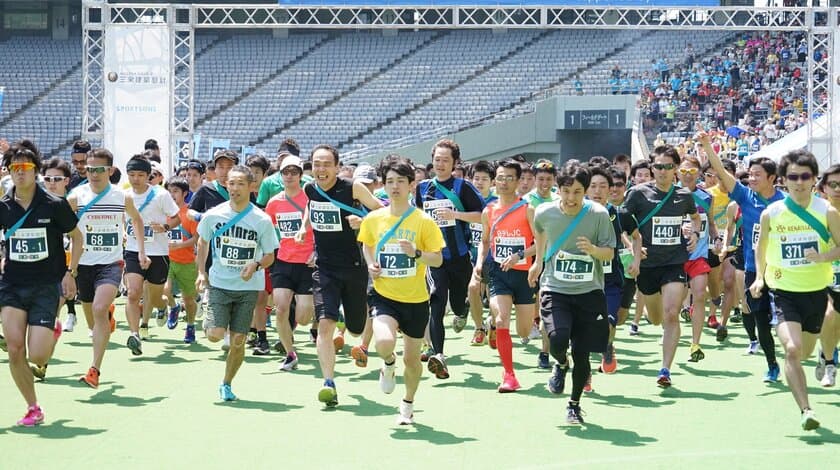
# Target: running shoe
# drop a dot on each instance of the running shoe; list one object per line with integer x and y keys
{"x": 664, "y": 378}
{"x": 144, "y": 332}
{"x": 226, "y": 342}
{"x": 574, "y": 415}
{"x": 172, "y": 320}
{"x": 225, "y": 393}
{"x": 338, "y": 342}
{"x": 328, "y": 395}
{"x": 492, "y": 338}
{"x": 809, "y": 420}
{"x": 685, "y": 314}
{"x": 542, "y": 361}
{"x": 134, "y": 345}
{"x": 721, "y": 334}
{"x": 736, "y": 317}
{"x": 535, "y": 332}
{"x": 509, "y": 383}
{"x": 313, "y": 334}
{"x": 252, "y": 339}
{"x": 524, "y": 340}
{"x": 458, "y": 323}
{"x": 828, "y": 379}
{"x": 69, "y": 323}
{"x": 262, "y": 348}
{"x": 608, "y": 362}
{"x": 40, "y": 372}
{"x": 634, "y": 329}
{"x": 160, "y": 317}
{"x": 3, "y": 346}
{"x": 587, "y": 387}
{"x": 478, "y": 337}
{"x": 57, "y": 329}
{"x": 772, "y": 375}
{"x": 360, "y": 355}
{"x": 290, "y": 363}
{"x": 189, "y": 336}
{"x": 34, "y": 416}
{"x": 268, "y": 319}
{"x": 427, "y": 352}
{"x": 712, "y": 322}
{"x": 819, "y": 371}
{"x": 437, "y": 366}
{"x": 278, "y": 346}
{"x": 388, "y": 378}
{"x": 557, "y": 381}
{"x": 91, "y": 378}
{"x": 406, "y": 415}
{"x": 697, "y": 354}
{"x": 753, "y": 347}
{"x": 112, "y": 320}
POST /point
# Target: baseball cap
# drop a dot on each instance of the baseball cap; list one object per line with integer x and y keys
{"x": 365, "y": 174}
{"x": 229, "y": 154}
{"x": 158, "y": 168}
{"x": 291, "y": 160}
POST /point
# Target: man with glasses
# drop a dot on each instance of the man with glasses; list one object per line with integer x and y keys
{"x": 35, "y": 272}
{"x": 78, "y": 157}
{"x": 659, "y": 208}
{"x": 101, "y": 210}
{"x": 798, "y": 238}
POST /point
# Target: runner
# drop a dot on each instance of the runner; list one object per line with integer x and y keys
{"x": 482, "y": 174}
{"x": 101, "y": 209}
{"x": 262, "y": 318}
{"x": 573, "y": 237}
{"x": 159, "y": 214}
{"x": 660, "y": 207}
{"x": 340, "y": 278}
{"x": 35, "y": 274}
{"x": 640, "y": 173}
{"x": 454, "y": 204}
{"x": 752, "y": 201}
{"x": 182, "y": 268}
{"x": 826, "y": 370}
{"x": 793, "y": 259}
{"x": 291, "y": 274}
{"x": 399, "y": 242}
{"x": 505, "y": 253}
{"x": 78, "y": 157}
{"x": 720, "y": 201}
{"x": 241, "y": 241}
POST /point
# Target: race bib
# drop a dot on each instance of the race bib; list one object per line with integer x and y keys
{"x": 704, "y": 226}
{"x": 433, "y": 207}
{"x": 573, "y": 268}
{"x": 607, "y": 266}
{"x": 666, "y": 230}
{"x": 148, "y": 234}
{"x": 835, "y": 269}
{"x": 237, "y": 252}
{"x": 288, "y": 223}
{"x": 475, "y": 233}
{"x": 755, "y": 235}
{"x": 325, "y": 217}
{"x": 102, "y": 238}
{"x": 29, "y": 245}
{"x": 175, "y": 234}
{"x": 395, "y": 263}
{"x": 794, "y": 246}
{"x": 506, "y": 246}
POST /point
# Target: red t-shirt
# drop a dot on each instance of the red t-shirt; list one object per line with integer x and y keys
{"x": 287, "y": 217}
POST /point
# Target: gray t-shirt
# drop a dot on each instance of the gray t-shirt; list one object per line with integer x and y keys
{"x": 570, "y": 271}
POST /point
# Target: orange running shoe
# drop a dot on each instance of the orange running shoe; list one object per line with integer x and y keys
{"x": 91, "y": 378}
{"x": 360, "y": 354}
{"x": 111, "y": 318}
{"x": 338, "y": 342}
{"x": 491, "y": 338}
{"x": 608, "y": 361}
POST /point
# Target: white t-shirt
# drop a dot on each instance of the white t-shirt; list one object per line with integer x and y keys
{"x": 101, "y": 225}
{"x": 160, "y": 206}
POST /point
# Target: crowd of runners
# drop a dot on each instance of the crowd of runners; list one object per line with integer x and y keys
{"x": 385, "y": 251}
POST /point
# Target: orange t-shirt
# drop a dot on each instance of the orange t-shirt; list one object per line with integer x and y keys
{"x": 183, "y": 232}
{"x": 287, "y": 217}
{"x": 511, "y": 234}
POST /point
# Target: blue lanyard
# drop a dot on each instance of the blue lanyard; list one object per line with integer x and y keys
{"x": 391, "y": 232}
{"x": 566, "y": 233}
{"x": 230, "y": 223}
{"x": 221, "y": 190}
{"x": 339, "y": 204}
{"x": 10, "y": 232}
{"x": 98, "y": 198}
{"x": 148, "y": 200}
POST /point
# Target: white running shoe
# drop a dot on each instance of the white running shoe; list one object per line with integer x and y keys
{"x": 406, "y": 415}
{"x": 90, "y": 333}
{"x": 829, "y": 376}
{"x": 535, "y": 332}
{"x": 752, "y": 348}
{"x": 69, "y": 323}
{"x": 226, "y": 343}
{"x": 819, "y": 371}
{"x": 289, "y": 364}
{"x": 388, "y": 378}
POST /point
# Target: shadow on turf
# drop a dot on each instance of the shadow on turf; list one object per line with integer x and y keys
{"x": 269, "y": 407}
{"x": 421, "y": 432}
{"x": 616, "y": 437}
{"x": 109, "y": 397}
{"x": 820, "y": 437}
{"x": 621, "y": 401}
{"x": 166, "y": 357}
{"x": 54, "y": 430}
{"x": 365, "y": 407}
{"x": 714, "y": 373}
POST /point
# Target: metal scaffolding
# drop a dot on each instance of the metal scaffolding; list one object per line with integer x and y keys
{"x": 819, "y": 23}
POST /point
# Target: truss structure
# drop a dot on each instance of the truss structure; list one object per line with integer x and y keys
{"x": 820, "y": 24}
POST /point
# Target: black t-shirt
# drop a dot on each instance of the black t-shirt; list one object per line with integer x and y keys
{"x": 76, "y": 180}
{"x": 622, "y": 222}
{"x": 662, "y": 233}
{"x": 40, "y": 236}
{"x": 472, "y": 201}
{"x": 335, "y": 249}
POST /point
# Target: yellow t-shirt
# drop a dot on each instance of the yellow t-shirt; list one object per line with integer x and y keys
{"x": 787, "y": 267}
{"x": 403, "y": 279}
{"x": 720, "y": 201}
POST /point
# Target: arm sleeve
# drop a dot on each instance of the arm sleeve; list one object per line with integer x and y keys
{"x": 739, "y": 193}
{"x": 366, "y": 232}
{"x": 198, "y": 202}
{"x": 264, "y": 193}
{"x": 205, "y": 229}
{"x": 606, "y": 233}
{"x": 169, "y": 206}
{"x": 471, "y": 198}
{"x": 431, "y": 237}
{"x": 268, "y": 237}
{"x": 65, "y": 217}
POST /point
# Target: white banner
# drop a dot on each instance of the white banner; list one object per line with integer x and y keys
{"x": 138, "y": 83}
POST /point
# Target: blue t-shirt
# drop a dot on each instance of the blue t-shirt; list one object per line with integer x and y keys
{"x": 240, "y": 244}
{"x": 702, "y": 249}
{"x": 751, "y": 208}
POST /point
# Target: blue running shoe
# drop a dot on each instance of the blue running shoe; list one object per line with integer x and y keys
{"x": 189, "y": 336}
{"x": 172, "y": 319}
{"x": 225, "y": 393}
{"x": 542, "y": 361}
{"x": 557, "y": 381}
{"x": 772, "y": 375}
{"x": 664, "y": 379}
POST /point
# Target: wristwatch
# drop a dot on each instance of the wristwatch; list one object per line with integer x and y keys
{"x": 73, "y": 273}
{"x": 417, "y": 254}
{"x": 520, "y": 254}
{"x": 166, "y": 227}
{"x": 697, "y": 233}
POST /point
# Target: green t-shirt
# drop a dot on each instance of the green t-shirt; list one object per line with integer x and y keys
{"x": 272, "y": 185}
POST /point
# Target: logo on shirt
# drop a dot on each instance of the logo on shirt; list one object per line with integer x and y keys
{"x": 44, "y": 221}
